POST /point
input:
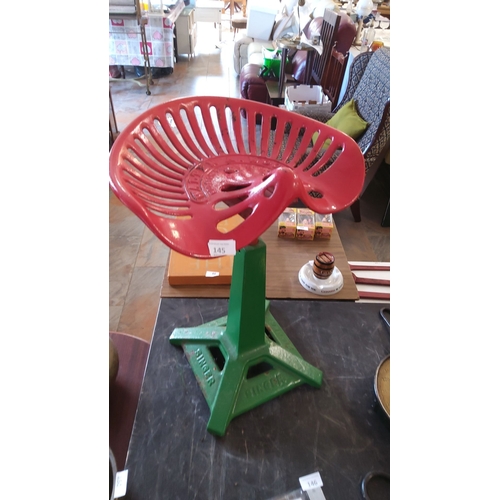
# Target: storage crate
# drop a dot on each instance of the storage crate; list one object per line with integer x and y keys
{"x": 310, "y": 96}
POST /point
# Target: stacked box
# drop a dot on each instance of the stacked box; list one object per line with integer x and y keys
{"x": 323, "y": 226}
{"x": 287, "y": 223}
{"x": 305, "y": 224}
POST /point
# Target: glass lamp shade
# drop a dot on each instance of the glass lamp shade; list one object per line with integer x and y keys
{"x": 364, "y": 7}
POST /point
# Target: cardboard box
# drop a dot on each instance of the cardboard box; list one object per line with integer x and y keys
{"x": 287, "y": 223}
{"x": 305, "y": 224}
{"x": 310, "y": 96}
{"x": 261, "y": 18}
{"x": 323, "y": 226}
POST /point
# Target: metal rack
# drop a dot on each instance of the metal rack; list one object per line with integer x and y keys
{"x": 131, "y": 9}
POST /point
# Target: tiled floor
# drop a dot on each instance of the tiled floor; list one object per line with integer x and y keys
{"x": 136, "y": 258}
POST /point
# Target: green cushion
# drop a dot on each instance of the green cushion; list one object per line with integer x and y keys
{"x": 347, "y": 120}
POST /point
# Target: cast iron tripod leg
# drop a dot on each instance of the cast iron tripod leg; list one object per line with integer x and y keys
{"x": 254, "y": 368}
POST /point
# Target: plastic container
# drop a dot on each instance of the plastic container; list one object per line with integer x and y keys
{"x": 270, "y": 62}
{"x": 368, "y": 37}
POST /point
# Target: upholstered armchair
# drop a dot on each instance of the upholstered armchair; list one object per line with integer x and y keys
{"x": 369, "y": 86}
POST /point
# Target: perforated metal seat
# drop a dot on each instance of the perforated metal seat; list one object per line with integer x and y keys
{"x": 187, "y": 165}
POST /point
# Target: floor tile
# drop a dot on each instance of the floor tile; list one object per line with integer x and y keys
{"x": 122, "y": 262}
{"x": 141, "y": 305}
{"x": 114, "y": 317}
{"x": 152, "y": 252}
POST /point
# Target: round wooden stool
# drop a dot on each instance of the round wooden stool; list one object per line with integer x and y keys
{"x": 238, "y": 24}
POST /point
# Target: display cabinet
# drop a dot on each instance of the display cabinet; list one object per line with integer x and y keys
{"x": 186, "y": 32}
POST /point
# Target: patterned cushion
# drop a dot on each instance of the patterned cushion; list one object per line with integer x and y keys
{"x": 373, "y": 92}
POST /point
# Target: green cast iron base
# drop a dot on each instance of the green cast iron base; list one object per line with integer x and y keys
{"x": 243, "y": 359}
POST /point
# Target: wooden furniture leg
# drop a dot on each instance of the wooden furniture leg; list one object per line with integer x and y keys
{"x": 356, "y": 210}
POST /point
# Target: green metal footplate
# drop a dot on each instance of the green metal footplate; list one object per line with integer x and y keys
{"x": 243, "y": 359}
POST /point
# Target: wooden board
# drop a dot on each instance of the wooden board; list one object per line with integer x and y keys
{"x": 184, "y": 270}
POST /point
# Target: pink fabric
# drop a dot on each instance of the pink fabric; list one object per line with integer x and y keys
{"x": 126, "y": 48}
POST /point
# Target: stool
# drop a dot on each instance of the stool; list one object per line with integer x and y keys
{"x": 238, "y": 24}
{"x": 245, "y": 358}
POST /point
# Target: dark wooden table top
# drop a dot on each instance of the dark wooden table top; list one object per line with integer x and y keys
{"x": 336, "y": 430}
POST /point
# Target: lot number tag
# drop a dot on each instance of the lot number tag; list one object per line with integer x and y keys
{"x": 219, "y": 248}
{"x": 312, "y": 483}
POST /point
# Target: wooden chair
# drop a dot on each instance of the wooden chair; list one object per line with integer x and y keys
{"x": 329, "y": 28}
{"x": 333, "y": 76}
{"x": 235, "y": 6}
{"x": 238, "y": 24}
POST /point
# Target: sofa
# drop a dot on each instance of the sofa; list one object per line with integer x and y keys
{"x": 253, "y": 86}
